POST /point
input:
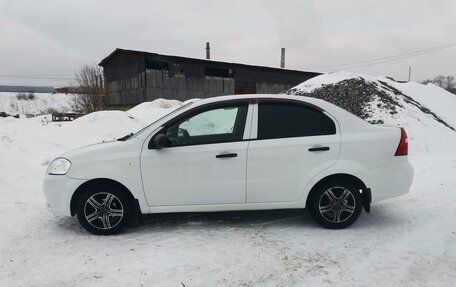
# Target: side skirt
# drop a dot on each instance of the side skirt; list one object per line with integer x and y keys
{"x": 226, "y": 207}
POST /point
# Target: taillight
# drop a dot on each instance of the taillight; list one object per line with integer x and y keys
{"x": 402, "y": 149}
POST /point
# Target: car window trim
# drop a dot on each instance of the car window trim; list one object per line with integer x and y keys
{"x": 288, "y": 102}
{"x": 200, "y": 109}
{"x": 258, "y": 101}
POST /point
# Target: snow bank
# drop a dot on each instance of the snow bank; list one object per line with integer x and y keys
{"x": 38, "y": 106}
{"x": 40, "y": 140}
{"x": 435, "y": 98}
{"x": 152, "y": 111}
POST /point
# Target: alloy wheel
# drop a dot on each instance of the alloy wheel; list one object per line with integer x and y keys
{"x": 103, "y": 210}
{"x": 337, "y": 204}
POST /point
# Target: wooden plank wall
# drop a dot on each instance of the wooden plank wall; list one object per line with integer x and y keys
{"x": 179, "y": 87}
{"x": 264, "y": 88}
{"x": 124, "y": 92}
{"x": 154, "y": 84}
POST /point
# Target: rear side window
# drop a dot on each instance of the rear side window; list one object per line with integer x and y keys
{"x": 289, "y": 120}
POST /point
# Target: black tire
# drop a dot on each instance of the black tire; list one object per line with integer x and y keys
{"x": 104, "y": 210}
{"x": 335, "y": 204}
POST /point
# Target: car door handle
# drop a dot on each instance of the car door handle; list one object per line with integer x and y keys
{"x": 226, "y": 155}
{"x": 319, "y": 148}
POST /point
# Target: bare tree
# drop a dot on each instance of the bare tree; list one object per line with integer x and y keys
{"x": 89, "y": 89}
{"x": 425, "y": 82}
{"x": 450, "y": 82}
{"x": 445, "y": 82}
{"x": 26, "y": 96}
{"x": 440, "y": 81}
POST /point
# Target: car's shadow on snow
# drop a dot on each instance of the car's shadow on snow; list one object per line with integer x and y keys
{"x": 227, "y": 218}
{"x": 163, "y": 221}
{"x": 380, "y": 217}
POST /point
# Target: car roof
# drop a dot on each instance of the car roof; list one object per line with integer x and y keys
{"x": 259, "y": 96}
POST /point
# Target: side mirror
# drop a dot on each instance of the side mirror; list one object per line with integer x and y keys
{"x": 161, "y": 141}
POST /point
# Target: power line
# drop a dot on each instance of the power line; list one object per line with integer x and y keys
{"x": 391, "y": 60}
{"x": 381, "y": 60}
{"x": 408, "y": 54}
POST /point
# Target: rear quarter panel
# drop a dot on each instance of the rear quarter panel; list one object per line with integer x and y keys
{"x": 370, "y": 156}
{"x": 367, "y": 152}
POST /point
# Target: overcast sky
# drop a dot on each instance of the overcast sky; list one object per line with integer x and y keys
{"x": 51, "y": 39}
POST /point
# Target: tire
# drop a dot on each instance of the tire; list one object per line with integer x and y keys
{"x": 104, "y": 210}
{"x": 335, "y": 204}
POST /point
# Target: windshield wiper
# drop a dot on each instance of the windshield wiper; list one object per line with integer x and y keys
{"x": 124, "y": 138}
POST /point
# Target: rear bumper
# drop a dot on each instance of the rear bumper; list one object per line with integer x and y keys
{"x": 390, "y": 180}
{"x": 58, "y": 190}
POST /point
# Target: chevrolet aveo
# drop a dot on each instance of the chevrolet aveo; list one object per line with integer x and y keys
{"x": 245, "y": 152}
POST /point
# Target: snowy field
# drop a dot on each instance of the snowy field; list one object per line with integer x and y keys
{"x": 407, "y": 241}
{"x": 38, "y": 106}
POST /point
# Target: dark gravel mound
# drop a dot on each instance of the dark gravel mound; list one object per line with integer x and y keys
{"x": 356, "y": 95}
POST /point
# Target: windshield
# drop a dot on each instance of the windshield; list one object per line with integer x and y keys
{"x": 165, "y": 116}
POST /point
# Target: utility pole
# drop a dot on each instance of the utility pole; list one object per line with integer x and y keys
{"x": 410, "y": 73}
{"x": 208, "y": 51}
{"x": 282, "y": 58}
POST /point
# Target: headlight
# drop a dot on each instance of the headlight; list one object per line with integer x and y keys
{"x": 59, "y": 166}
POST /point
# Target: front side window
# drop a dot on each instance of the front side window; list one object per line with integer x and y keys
{"x": 223, "y": 124}
{"x": 277, "y": 120}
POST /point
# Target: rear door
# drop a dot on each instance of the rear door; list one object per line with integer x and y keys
{"x": 294, "y": 142}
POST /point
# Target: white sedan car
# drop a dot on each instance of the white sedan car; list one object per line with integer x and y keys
{"x": 244, "y": 152}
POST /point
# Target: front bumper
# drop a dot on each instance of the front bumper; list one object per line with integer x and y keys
{"x": 58, "y": 190}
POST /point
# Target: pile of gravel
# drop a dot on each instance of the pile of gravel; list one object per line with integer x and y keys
{"x": 357, "y": 96}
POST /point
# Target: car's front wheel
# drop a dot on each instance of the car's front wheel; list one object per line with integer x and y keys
{"x": 104, "y": 210}
{"x": 335, "y": 204}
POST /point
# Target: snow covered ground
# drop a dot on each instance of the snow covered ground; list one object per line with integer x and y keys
{"x": 407, "y": 241}
{"x": 40, "y": 105}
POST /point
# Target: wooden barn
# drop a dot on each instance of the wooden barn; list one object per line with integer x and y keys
{"x": 132, "y": 77}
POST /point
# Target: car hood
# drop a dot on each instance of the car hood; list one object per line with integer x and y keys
{"x": 104, "y": 151}
{"x": 90, "y": 149}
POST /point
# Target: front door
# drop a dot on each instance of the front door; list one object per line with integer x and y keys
{"x": 205, "y": 162}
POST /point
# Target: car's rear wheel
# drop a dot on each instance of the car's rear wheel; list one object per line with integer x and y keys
{"x": 104, "y": 210}
{"x": 335, "y": 204}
